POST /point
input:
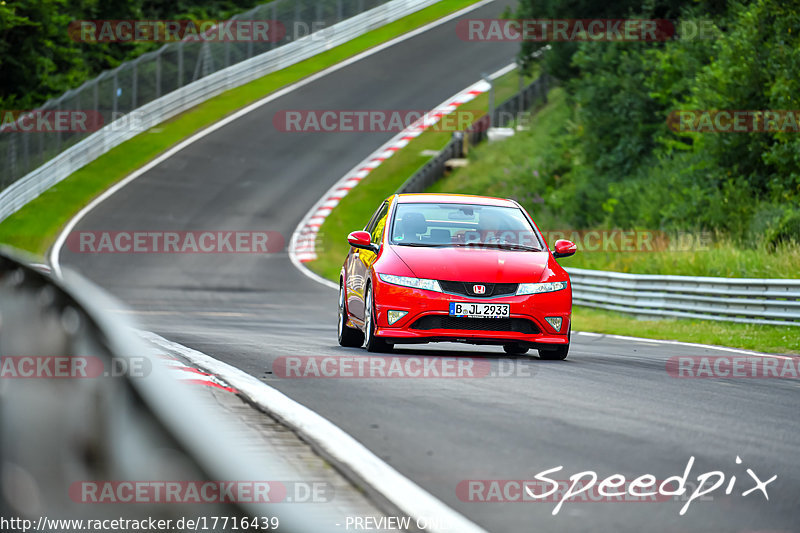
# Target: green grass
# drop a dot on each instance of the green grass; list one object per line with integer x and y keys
{"x": 35, "y": 227}
{"x": 773, "y": 339}
{"x": 354, "y": 210}
{"x": 507, "y": 169}
{"x": 481, "y": 177}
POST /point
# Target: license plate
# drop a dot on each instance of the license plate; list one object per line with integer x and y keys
{"x": 479, "y": 310}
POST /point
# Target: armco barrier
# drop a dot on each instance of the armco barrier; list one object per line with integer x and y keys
{"x": 28, "y": 187}
{"x": 434, "y": 169}
{"x": 755, "y": 301}
{"x": 134, "y": 426}
{"x": 749, "y": 300}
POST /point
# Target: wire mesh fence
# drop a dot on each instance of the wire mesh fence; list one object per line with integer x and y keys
{"x": 112, "y": 95}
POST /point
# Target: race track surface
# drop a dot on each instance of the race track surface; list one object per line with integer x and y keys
{"x": 610, "y": 408}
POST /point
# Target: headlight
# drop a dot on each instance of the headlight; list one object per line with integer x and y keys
{"x": 536, "y": 288}
{"x": 414, "y": 283}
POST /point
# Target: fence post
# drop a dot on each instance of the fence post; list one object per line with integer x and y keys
{"x": 180, "y": 64}
{"x": 135, "y": 85}
{"x": 158, "y": 74}
{"x": 26, "y": 146}
{"x": 58, "y": 130}
{"x": 274, "y": 15}
{"x": 12, "y": 155}
{"x": 521, "y": 92}
{"x": 489, "y": 80}
{"x": 114, "y": 98}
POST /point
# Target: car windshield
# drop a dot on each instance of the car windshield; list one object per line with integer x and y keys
{"x": 449, "y": 224}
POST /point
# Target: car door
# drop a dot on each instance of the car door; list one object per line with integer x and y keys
{"x": 360, "y": 262}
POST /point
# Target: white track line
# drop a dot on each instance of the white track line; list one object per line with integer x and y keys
{"x": 398, "y": 489}
{"x": 62, "y": 237}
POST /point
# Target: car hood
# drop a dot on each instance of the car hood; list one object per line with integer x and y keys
{"x": 475, "y": 264}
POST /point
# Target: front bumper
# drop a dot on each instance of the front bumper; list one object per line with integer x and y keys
{"x": 428, "y": 318}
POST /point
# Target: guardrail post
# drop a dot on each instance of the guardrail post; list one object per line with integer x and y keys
{"x": 158, "y": 74}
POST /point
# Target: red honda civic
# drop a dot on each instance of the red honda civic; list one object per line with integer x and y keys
{"x": 455, "y": 268}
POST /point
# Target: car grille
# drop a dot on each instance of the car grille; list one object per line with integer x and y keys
{"x": 492, "y": 289}
{"x": 517, "y": 325}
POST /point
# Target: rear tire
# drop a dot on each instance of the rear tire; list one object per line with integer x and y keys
{"x": 371, "y": 342}
{"x": 349, "y": 337}
{"x": 515, "y": 349}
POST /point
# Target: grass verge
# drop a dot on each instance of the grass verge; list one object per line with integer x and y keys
{"x": 35, "y": 226}
{"x": 480, "y": 178}
{"x": 509, "y": 170}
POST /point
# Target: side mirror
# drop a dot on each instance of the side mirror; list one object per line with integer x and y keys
{"x": 361, "y": 239}
{"x": 564, "y": 248}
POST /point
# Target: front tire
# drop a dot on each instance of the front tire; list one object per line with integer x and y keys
{"x": 515, "y": 349}
{"x": 371, "y": 342}
{"x": 560, "y": 353}
{"x": 348, "y": 337}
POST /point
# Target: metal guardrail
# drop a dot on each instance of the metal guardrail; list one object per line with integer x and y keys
{"x": 129, "y": 426}
{"x": 748, "y": 300}
{"x": 69, "y": 153}
{"x": 458, "y": 146}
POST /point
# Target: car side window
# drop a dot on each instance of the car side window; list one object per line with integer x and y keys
{"x": 377, "y": 233}
{"x": 374, "y": 222}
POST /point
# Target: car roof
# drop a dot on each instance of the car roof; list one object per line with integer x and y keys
{"x": 431, "y": 198}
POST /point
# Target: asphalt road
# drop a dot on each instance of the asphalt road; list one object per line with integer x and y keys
{"x": 610, "y": 408}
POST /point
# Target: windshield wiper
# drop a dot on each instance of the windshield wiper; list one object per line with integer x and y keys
{"x": 500, "y": 245}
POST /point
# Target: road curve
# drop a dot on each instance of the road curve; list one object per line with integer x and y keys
{"x": 610, "y": 408}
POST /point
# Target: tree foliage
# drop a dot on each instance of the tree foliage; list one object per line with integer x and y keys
{"x": 624, "y": 166}
{"x": 39, "y": 60}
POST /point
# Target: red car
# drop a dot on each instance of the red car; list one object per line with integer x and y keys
{"x": 457, "y": 268}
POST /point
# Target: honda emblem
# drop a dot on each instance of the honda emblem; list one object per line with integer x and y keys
{"x": 479, "y": 289}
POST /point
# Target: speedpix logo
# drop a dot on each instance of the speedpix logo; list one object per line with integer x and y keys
{"x": 587, "y": 486}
